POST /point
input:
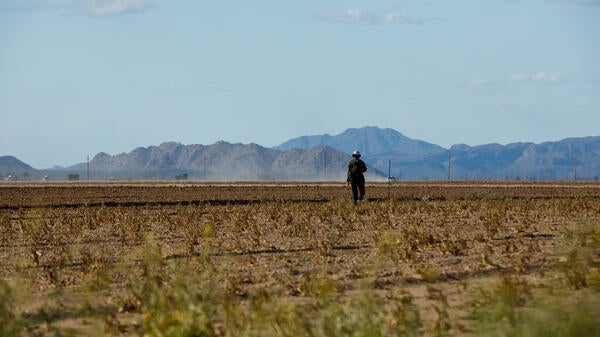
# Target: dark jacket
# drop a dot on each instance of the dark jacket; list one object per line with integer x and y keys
{"x": 356, "y": 167}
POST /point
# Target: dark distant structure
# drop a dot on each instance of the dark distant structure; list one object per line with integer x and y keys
{"x": 73, "y": 177}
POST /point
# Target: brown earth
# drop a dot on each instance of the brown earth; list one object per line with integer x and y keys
{"x": 36, "y": 194}
{"x": 75, "y": 246}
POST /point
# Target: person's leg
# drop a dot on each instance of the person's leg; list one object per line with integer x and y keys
{"x": 354, "y": 191}
{"x": 361, "y": 190}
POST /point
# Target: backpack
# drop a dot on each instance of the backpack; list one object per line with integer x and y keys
{"x": 355, "y": 167}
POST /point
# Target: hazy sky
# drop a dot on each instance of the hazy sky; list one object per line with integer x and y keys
{"x": 79, "y": 77}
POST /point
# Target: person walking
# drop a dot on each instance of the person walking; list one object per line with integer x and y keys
{"x": 356, "y": 168}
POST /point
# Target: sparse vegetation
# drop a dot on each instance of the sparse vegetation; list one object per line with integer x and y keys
{"x": 452, "y": 264}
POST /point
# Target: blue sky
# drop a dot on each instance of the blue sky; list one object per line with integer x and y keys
{"x": 79, "y": 77}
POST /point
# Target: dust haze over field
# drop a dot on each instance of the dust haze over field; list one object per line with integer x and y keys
{"x": 272, "y": 259}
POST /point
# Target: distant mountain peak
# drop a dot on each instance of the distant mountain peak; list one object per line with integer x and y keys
{"x": 11, "y": 164}
{"x": 102, "y": 155}
{"x": 170, "y": 144}
{"x": 369, "y": 140}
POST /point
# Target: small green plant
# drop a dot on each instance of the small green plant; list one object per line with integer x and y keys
{"x": 502, "y": 305}
{"x": 577, "y": 268}
{"x": 442, "y": 325}
{"x": 168, "y": 303}
{"x": 551, "y": 317}
{"x": 368, "y": 315}
{"x": 561, "y": 320}
{"x": 428, "y": 272}
{"x": 11, "y": 322}
{"x": 388, "y": 245}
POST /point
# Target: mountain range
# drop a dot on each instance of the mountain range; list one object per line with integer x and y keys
{"x": 406, "y": 158}
{"x": 324, "y": 157}
{"x": 226, "y": 161}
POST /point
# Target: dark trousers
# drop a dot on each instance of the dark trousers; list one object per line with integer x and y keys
{"x": 358, "y": 190}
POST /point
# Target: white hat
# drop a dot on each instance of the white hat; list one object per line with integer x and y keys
{"x": 356, "y": 153}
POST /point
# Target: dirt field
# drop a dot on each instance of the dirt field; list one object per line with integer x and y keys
{"x": 298, "y": 259}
